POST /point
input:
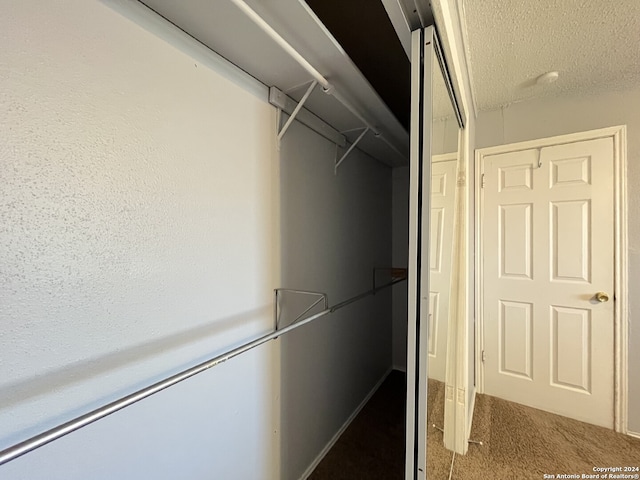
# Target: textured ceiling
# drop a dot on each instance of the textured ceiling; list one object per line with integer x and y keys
{"x": 593, "y": 44}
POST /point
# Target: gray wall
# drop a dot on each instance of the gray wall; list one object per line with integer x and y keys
{"x": 335, "y": 229}
{"x": 557, "y": 116}
{"x": 400, "y": 229}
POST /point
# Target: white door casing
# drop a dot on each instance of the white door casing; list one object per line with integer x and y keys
{"x": 548, "y": 247}
{"x": 443, "y": 185}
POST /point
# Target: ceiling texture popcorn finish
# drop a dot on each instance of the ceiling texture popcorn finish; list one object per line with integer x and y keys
{"x": 594, "y": 45}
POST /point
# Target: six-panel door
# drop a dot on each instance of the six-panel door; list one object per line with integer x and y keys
{"x": 548, "y": 256}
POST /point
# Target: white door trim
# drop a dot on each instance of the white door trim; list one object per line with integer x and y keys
{"x": 621, "y": 321}
{"x": 444, "y": 157}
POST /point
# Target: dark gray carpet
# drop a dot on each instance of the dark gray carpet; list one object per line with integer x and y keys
{"x": 372, "y": 447}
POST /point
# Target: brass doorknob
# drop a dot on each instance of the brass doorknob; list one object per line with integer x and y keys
{"x": 602, "y": 297}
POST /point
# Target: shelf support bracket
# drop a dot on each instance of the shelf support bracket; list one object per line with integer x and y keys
{"x": 292, "y": 117}
{"x": 353, "y": 145}
{"x": 322, "y": 297}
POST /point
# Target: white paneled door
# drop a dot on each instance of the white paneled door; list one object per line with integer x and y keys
{"x": 443, "y": 186}
{"x": 548, "y": 270}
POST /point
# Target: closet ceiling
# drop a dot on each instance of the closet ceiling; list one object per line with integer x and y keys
{"x": 593, "y": 44}
{"x": 221, "y": 26}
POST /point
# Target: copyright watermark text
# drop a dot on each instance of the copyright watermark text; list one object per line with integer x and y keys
{"x": 631, "y": 472}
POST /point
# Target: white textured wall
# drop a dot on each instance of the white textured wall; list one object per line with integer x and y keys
{"x": 558, "y": 116}
{"x": 335, "y": 229}
{"x": 138, "y": 234}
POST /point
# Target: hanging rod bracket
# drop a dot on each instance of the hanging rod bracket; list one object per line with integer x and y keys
{"x": 353, "y": 145}
{"x": 323, "y": 297}
{"x": 329, "y": 89}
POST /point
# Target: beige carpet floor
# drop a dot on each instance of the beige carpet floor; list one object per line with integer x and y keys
{"x": 518, "y": 442}
{"x": 526, "y": 443}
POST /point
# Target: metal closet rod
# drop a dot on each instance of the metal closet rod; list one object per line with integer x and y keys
{"x": 55, "y": 433}
{"x": 326, "y": 85}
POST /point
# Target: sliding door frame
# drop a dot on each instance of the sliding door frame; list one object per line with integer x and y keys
{"x": 419, "y": 214}
{"x": 426, "y": 54}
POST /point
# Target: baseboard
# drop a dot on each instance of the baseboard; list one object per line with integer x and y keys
{"x": 633, "y": 434}
{"x": 344, "y": 426}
